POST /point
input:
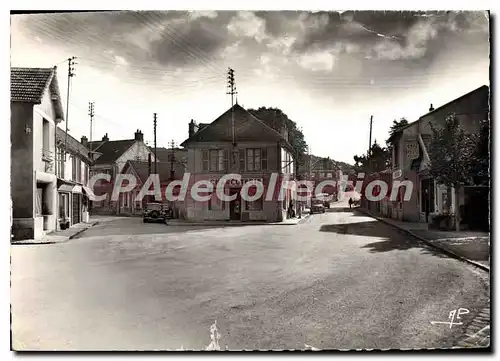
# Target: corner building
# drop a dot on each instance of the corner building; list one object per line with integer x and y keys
{"x": 239, "y": 143}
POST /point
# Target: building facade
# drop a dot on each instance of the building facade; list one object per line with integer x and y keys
{"x": 72, "y": 171}
{"x": 110, "y": 157}
{"x": 239, "y": 143}
{"x": 131, "y": 203}
{"x": 411, "y": 160}
{"x": 36, "y": 110}
{"x": 326, "y": 174}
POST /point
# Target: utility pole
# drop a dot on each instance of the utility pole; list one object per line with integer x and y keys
{"x": 370, "y": 140}
{"x": 154, "y": 130}
{"x": 232, "y": 91}
{"x": 71, "y": 73}
{"x": 91, "y": 115}
{"x": 370, "y": 145}
{"x": 172, "y": 171}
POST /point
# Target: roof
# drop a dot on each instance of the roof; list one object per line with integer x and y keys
{"x": 73, "y": 144}
{"x": 28, "y": 85}
{"x": 141, "y": 169}
{"x": 483, "y": 88}
{"x": 111, "y": 150}
{"x": 247, "y": 128}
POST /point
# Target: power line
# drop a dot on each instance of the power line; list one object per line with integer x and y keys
{"x": 176, "y": 43}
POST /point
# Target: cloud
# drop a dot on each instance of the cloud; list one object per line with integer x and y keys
{"x": 193, "y": 15}
{"x": 120, "y": 60}
{"x": 248, "y": 25}
{"x": 197, "y": 42}
{"x": 317, "y": 61}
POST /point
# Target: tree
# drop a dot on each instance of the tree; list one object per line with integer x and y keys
{"x": 378, "y": 160}
{"x": 452, "y": 154}
{"x": 272, "y": 117}
{"x": 397, "y": 125}
{"x": 481, "y": 170}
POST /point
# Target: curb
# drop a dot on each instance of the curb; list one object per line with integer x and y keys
{"x": 208, "y": 224}
{"x": 82, "y": 230}
{"x": 64, "y": 239}
{"x": 427, "y": 242}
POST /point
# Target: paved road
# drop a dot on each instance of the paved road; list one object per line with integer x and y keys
{"x": 340, "y": 280}
{"x": 126, "y": 226}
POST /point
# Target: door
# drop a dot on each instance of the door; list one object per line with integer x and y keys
{"x": 427, "y": 197}
{"x": 76, "y": 208}
{"x": 235, "y": 205}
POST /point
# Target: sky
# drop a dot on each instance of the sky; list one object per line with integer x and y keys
{"x": 328, "y": 71}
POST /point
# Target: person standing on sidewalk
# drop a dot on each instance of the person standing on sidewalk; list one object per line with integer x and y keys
{"x": 350, "y": 202}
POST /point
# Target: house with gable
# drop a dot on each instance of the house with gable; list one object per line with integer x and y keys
{"x": 131, "y": 204}
{"x": 110, "y": 157}
{"x": 36, "y": 109}
{"x": 238, "y": 142}
{"x": 411, "y": 161}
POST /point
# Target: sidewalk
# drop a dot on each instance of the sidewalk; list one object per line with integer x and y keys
{"x": 286, "y": 222}
{"x": 59, "y": 236}
{"x": 472, "y": 247}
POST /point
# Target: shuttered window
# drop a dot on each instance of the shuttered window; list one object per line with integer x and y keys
{"x": 215, "y": 160}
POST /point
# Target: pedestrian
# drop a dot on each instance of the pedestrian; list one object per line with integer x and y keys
{"x": 350, "y": 202}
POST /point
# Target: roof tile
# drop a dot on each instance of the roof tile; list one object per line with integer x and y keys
{"x": 29, "y": 84}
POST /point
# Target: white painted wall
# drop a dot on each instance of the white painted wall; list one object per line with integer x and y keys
{"x": 41, "y": 111}
{"x": 138, "y": 151}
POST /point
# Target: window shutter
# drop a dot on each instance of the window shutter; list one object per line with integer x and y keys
{"x": 257, "y": 159}
{"x": 242, "y": 160}
{"x": 226, "y": 159}
{"x": 205, "y": 160}
{"x": 264, "y": 158}
{"x": 214, "y": 160}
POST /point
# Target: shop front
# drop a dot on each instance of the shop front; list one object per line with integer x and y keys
{"x": 71, "y": 204}
{"x": 262, "y": 205}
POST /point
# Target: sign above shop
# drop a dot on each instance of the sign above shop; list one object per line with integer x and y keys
{"x": 237, "y": 182}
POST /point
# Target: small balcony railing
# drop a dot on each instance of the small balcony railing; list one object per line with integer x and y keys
{"x": 47, "y": 156}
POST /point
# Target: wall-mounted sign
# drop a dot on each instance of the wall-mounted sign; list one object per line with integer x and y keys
{"x": 412, "y": 150}
{"x": 397, "y": 174}
{"x": 237, "y": 183}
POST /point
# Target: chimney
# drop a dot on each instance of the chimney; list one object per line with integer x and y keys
{"x": 193, "y": 128}
{"x": 431, "y": 108}
{"x": 139, "y": 136}
{"x": 84, "y": 141}
{"x": 105, "y": 138}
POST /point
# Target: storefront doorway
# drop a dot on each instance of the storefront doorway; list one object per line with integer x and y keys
{"x": 427, "y": 197}
{"x": 235, "y": 205}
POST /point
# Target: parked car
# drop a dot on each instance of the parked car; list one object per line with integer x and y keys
{"x": 155, "y": 212}
{"x": 317, "y": 206}
{"x": 325, "y": 198}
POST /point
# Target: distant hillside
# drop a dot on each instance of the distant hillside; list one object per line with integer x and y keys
{"x": 345, "y": 167}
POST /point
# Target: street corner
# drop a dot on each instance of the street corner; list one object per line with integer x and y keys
{"x": 41, "y": 241}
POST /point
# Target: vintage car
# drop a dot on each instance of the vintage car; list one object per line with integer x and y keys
{"x": 156, "y": 212}
{"x": 317, "y": 206}
{"x": 325, "y": 198}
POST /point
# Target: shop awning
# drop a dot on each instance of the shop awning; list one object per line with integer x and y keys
{"x": 89, "y": 193}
